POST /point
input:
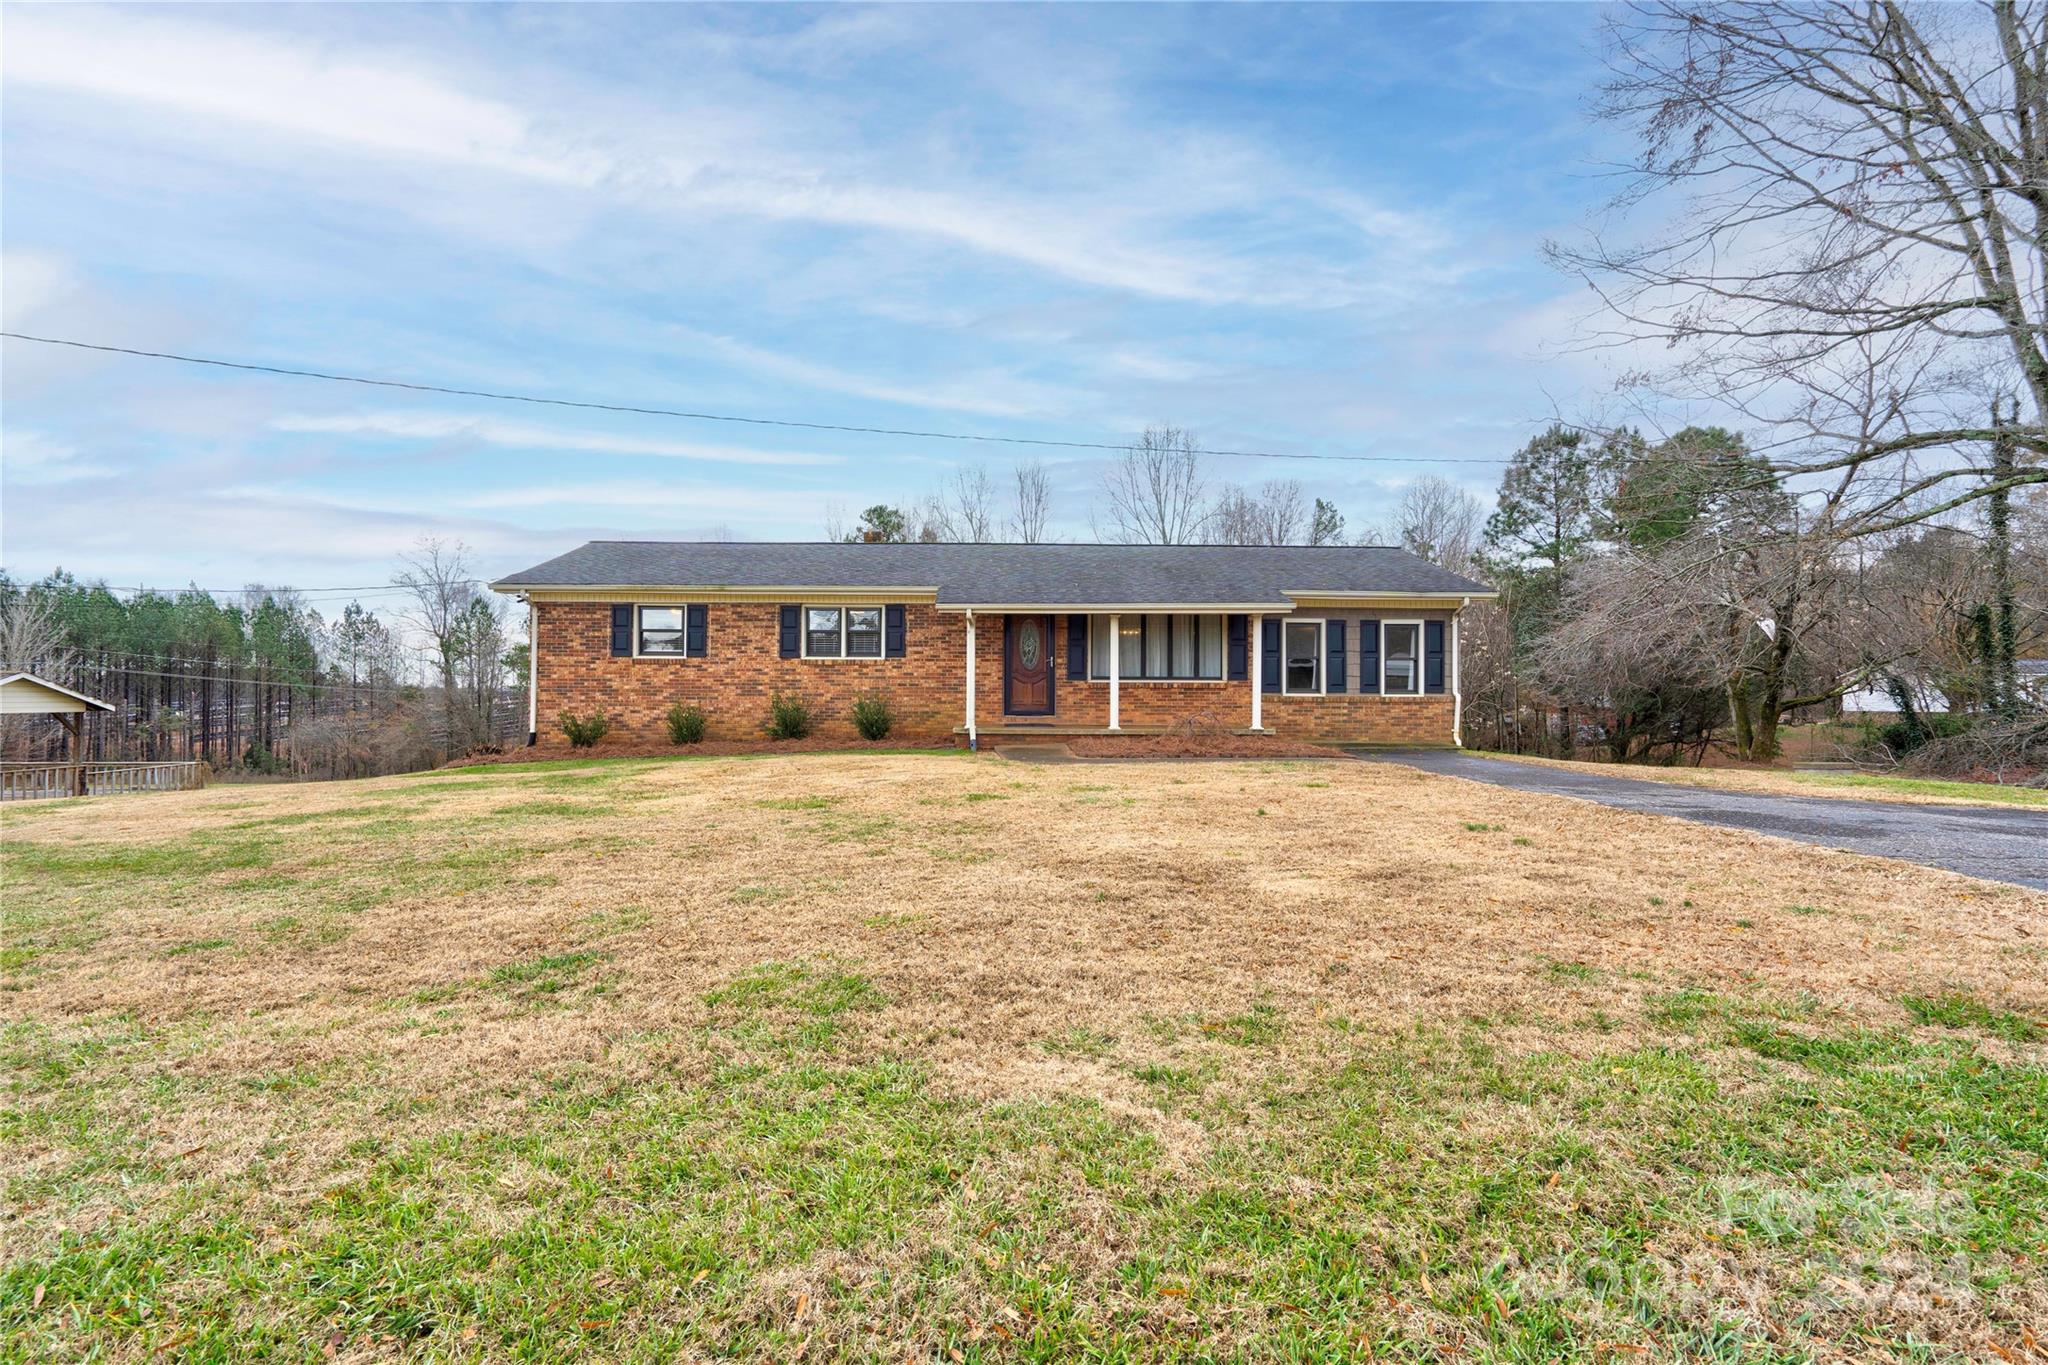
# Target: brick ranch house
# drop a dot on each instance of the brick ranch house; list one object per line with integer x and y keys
{"x": 1351, "y": 644}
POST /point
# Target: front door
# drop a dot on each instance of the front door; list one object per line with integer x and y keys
{"x": 1027, "y": 665}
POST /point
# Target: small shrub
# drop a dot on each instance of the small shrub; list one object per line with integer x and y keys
{"x": 584, "y": 731}
{"x": 788, "y": 717}
{"x": 872, "y": 717}
{"x": 685, "y": 724}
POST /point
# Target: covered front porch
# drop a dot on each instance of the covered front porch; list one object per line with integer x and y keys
{"x": 1097, "y": 672}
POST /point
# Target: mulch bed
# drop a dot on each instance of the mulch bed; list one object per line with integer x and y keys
{"x": 710, "y": 748}
{"x": 1193, "y": 746}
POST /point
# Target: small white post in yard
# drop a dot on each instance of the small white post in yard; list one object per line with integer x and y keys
{"x": 971, "y": 734}
{"x": 1116, "y": 668}
{"x": 1255, "y": 666}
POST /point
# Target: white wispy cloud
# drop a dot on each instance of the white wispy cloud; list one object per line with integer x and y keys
{"x": 30, "y": 457}
{"x": 991, "y": 393}
{"x": 428, "y": 426}
{"x": 1127, "y": 217}
{"x": 718, "y": 503}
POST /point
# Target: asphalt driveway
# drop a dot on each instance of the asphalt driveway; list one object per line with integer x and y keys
{"x": 2004, "y": 844}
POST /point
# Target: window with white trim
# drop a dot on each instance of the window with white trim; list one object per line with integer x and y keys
{"x": 1158, "y": 647}
{"x": 842, "y": 632}
{"x": 662, "y": 632}
{"x": 1400, "y": 658}
{"x": 863, "y": 632}
{"x": 1301, "y": 657}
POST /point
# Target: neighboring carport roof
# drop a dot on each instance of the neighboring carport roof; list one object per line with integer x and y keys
{"x": 24, "y": 694}
{"x": 1249, "y": 576}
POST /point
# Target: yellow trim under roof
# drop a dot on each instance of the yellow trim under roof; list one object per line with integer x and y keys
{"x": 1385, "y": 601}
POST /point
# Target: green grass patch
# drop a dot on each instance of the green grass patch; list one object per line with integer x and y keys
{"x": 1924, "y": 786}
{"x": 551, "y": 810}
{"x": 1080, "y": 1041}
{"x": 544, "y": 975}
{"x": 786, "y": 1007}
{"x": 1960, "y": 1010}
{"x": 619, "y": 919}
{"x": 1543, "y": 1206}
{"x": 1260, "y": 1026}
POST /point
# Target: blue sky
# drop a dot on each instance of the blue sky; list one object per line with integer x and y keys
{"x": 1302, "y": 229}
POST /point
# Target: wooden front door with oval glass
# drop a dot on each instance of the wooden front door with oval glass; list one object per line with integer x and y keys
{"x": 1027, "y": 665}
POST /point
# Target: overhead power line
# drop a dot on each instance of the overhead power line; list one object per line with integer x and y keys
{"x": 282, "y": 590}
{"x": 648, "y": 411}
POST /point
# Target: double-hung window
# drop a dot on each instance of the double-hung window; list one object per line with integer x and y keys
{"x": 1302, "y": 657}
{"x": 1158, "y": 647}
{"x": 1400, "y": 658}
{"x": 842, "y": 632}
{"x": 863, "y": 632}
{"x": 661, "y": 632}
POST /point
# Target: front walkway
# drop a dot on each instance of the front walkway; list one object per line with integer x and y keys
{"x": 1995, "y": 842}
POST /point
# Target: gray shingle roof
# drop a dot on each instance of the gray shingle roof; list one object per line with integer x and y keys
{"x": 1007, "y": 575}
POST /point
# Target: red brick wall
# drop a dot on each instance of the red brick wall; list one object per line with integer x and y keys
{"x": 1349, "y": 718}
{"x": 926, "y": 688}
{"x": 739, "y": 671}
{"x": 1352, "y": 719}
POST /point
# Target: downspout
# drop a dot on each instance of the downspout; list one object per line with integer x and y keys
{"x": 1457, "y": 682}
{"x": 532, "y": 673}
{"x": 973, "y": 735}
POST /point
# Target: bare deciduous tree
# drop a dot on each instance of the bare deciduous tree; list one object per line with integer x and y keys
{"x": 1275, "y": 515}
{"x": 444, "y": 608}
{"x": 1031, "y": 508}
{"x": 1440, "y": 522}
{"x": 31, "y": 641}
{"x": 1155, "y": 492}
{"x": 31, "y": 637}
{"x": 970, "y": 501}
{"x": 1860, "y": 239}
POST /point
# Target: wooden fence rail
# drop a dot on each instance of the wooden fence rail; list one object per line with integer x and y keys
{"x": 34, "y": 781}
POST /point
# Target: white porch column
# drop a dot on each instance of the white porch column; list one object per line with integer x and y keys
{"x": 972, "y": 734}
{"x": 532, "y": 672}
{"x": 1457, "y": 694}
{"x": 1116, "y": 668}
{"x": 1255, "y": 667}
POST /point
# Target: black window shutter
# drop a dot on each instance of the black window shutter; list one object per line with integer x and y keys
{"x": 622, "y": 629}
{"x": 1368, "y": 656}
{"x": 1233, "y": 630}
{"x": 1269, "y": 661}
{"x": 1333, "y": 646}
{"x": 892, "y": 631}
{"x": 1077, "y": 648}
{"x": 792, "y": 639}
{"x": 693, "y": 632}
{"x": 1433, "y": 656}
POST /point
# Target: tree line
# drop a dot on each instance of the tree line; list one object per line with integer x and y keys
{"x": 263, "y": 681}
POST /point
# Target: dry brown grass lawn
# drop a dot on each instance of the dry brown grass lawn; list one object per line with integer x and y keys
{"x": 1057, "y": 1031}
